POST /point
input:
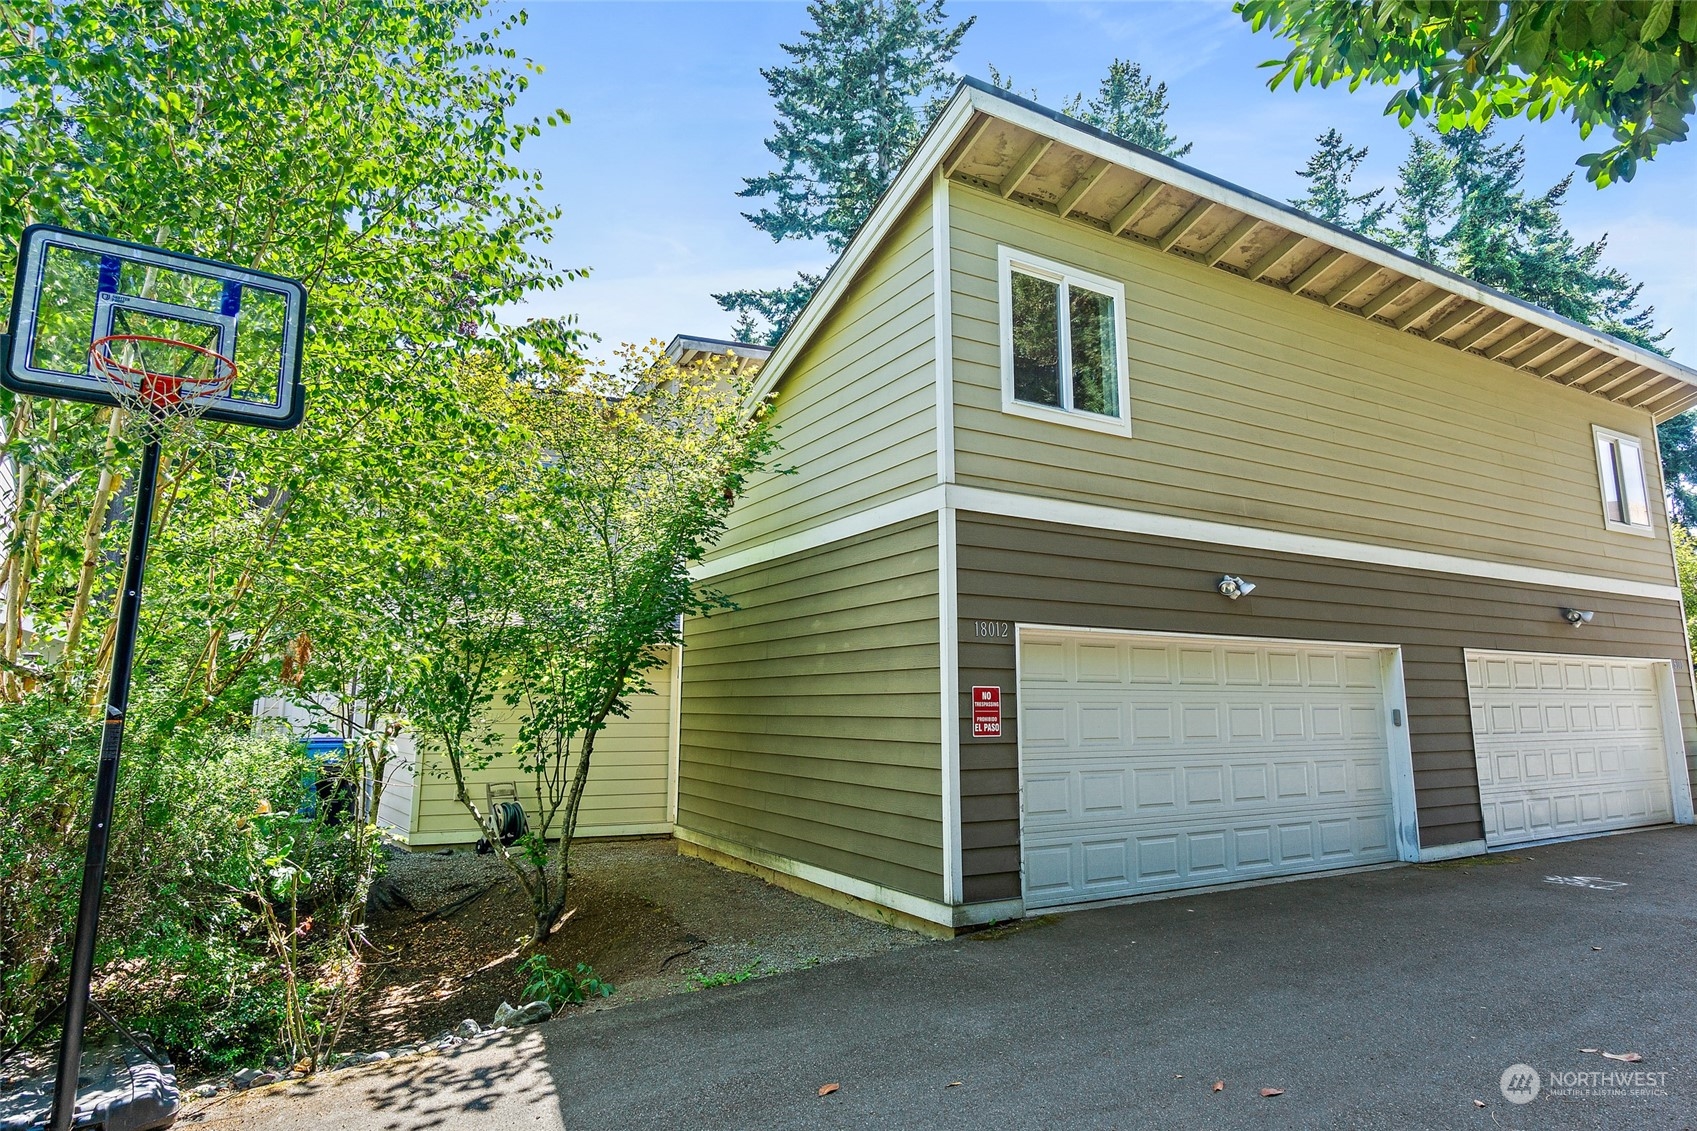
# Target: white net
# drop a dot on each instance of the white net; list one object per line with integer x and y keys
{"x": 164, "y": 384}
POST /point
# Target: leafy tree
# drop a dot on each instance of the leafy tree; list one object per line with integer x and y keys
{"x": 1330, "y": 174}
{"x": 1627, "y": 65}
{"x": 383, "y": 178}
{"x": 366, "y": 148}
{"x": 1128, "y": 105}
{"x": 853, "y": 101}
{"x": 1685, "y": 557}
{"x": 570, "y": 613}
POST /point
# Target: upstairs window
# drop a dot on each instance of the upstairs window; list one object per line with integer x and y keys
{"x": 1626, "y": 494}
{"x": 1062, "y": 355}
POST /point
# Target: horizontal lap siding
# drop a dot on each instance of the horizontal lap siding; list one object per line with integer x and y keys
{"x": 1035, "y": 573}
{"x": 627, "y": 774}
{"x": 394, "y": 807}
{"x": 809, "y": 726}
{"x": 1253, "y": 406}
{"x": 856, "y": 411}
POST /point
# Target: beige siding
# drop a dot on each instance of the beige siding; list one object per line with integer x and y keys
{"x": 856, "y": 412}
{"x": 810, "y": 724}
{"x": 1036, "y": 573}
{"x": 627, "y": 786}
{"x": 1256, "y": 407}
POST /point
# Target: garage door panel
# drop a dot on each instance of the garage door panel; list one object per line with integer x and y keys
{"x": 1107, "y": 789}
{"x": 1197, "y": 762}
{"x": 1566, "y": 745}
{"x": 1099, "y": 864}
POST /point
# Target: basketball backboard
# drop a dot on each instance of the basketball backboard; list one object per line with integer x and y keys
{"x": 75, "y": 290}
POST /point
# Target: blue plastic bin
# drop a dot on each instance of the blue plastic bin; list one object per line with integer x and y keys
{"x": 323, "y": 781}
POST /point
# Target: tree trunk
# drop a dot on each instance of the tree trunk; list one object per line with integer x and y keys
{"x": 91, "y": 541}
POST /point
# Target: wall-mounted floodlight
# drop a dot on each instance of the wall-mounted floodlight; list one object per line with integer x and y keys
{"x": 1234, "y": 587}
{"x": 1577, "y": 617}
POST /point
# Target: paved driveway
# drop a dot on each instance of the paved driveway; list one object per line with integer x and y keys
{"x": 1386, "y": 999}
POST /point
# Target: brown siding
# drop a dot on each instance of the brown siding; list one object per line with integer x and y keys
{"x": 1035, "y": 573}
{"x": 810, "y": 725}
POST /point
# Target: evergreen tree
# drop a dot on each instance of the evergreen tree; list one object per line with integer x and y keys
{"x": 1330, "y": 174}
{"x": 1130, "y": 106}
{"x": 1500, "y": 235}
{"x": 1423, "y": 199}
{"x": 853, "y": 102}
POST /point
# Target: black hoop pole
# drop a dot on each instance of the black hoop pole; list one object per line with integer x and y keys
{"x": 105, "y": 793}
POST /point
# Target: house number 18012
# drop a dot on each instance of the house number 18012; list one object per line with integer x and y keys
{"x": 991, "y": 630}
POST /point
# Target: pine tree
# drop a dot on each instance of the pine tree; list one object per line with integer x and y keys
{"x": 1330, "y": 174}
{"x": 1423, "y": 199}
{"x": 852, "y": 103}
{"x": 1504, "y": 237}
{"x": 1130, "y": 106}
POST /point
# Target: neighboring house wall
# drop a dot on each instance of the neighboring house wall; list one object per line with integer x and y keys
{"x": 810, "y": 726}
{"x": 1258, "y": 408}
{"x": 627, "y": 789}
{"x": 395, "y": 809}
{"x": 627, "y": 793}
{"x": 856, "y": 413}
{"x": 1040, "y": 573}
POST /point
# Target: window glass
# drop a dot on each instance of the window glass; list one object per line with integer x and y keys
{"x": 1635, "y": 501}
{"x": 1095, "y": 369}
{"x": 1036, "y": 340}
{"x": 1611, "y": 479}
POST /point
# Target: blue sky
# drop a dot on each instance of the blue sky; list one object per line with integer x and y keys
{"x": 669, "y": 113}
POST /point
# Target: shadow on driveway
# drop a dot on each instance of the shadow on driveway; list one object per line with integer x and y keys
{"x": 1386, "y": 999}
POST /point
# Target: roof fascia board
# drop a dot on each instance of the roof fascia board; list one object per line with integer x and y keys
{"x": 1039, "y": 120}
{"x": 914, "y": 177}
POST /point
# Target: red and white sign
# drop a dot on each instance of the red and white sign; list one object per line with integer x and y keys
{"x": 986, "y": 712}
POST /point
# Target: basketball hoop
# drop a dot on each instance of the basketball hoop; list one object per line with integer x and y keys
{"x": 159, "y": 393}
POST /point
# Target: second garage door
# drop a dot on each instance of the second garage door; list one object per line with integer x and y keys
{"x": 1158, "y": 763}
{"x": 1567, "y": 745}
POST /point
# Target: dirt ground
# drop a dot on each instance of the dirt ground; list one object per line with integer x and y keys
{"x": 647, "y": 920}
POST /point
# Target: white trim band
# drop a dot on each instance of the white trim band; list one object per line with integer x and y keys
{"x": 1091, "y": 516}
{"x": 923, "y": 502}
{"x": 1008, "y": 504}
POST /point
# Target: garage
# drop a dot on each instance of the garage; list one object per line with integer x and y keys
{"x": 1568, "y": 745}
{"x": 1155, "y": 763}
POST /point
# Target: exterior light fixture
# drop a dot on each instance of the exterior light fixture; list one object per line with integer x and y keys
{"x": 1235, "y": 587}
{"x": 1577, "y": 617}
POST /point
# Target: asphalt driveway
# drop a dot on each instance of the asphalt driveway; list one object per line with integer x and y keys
{"x": 1386, "y": 999}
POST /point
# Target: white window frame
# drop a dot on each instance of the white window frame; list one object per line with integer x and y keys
{"x": 1007, "y": 261}
{"x": 1605, "y": 473}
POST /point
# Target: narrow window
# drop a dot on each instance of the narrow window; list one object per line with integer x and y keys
{"x": 1062, "y": 356}
{"x": 1626, "y": 495}
{"x": 1095, "y": 376}
{"x": 1036, "y": 340}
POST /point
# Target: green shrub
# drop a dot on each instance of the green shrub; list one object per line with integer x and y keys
{"x": 558, "y": 985}
{"x": 207, "y": 847}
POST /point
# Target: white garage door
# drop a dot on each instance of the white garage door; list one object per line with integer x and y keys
{"x": 1566, "y": 745}
{"x": 1150, "y": 763}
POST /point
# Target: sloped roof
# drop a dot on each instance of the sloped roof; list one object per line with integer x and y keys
{"x": 1044, "y": 160}
{"x": 687, "y": 348}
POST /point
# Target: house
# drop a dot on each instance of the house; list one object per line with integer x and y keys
{"x": 1145, "y": 534}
